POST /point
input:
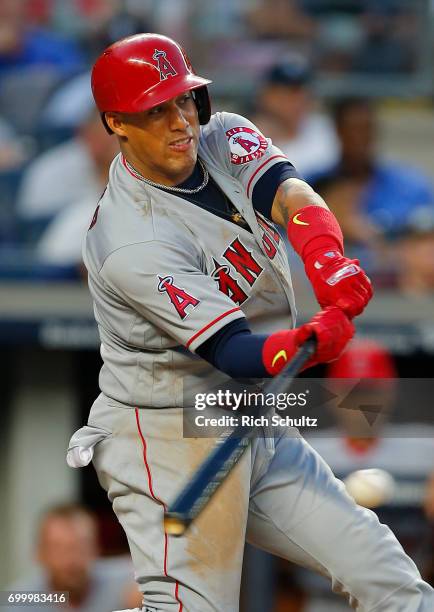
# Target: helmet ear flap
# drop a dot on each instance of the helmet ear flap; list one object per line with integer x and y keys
{"x": 203, "y": 104}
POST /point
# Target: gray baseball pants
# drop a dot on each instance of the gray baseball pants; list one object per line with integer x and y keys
{"x": 281, "y": 497}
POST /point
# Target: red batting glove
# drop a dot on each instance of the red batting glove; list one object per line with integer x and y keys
{"x": 332, "y": 328}
{"x": 339, "y": 281}
{"x": 336, "y": 280}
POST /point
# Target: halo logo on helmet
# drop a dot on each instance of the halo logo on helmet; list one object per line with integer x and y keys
{"x": 165, "y": 68}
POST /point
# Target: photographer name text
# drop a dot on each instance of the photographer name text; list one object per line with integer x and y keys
{"x": 247, "y": 420}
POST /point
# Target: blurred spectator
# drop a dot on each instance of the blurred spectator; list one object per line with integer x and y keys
{"x": 280, "y": 18}
{"x": 372, "y": 198}
{"x": 415, "y": 254}
{"x": 12, "y": 150}
{"x": 69, "y": 106}
{"x": 365, "y": 36}
{"x": 69, "y": 172}
{"x": 60, "y": 244}
{"x": 389, "y": 43}
{"x": 364, "y": 439}
{"x": 285, "y": 113}
{"x": 339, "y": 36}
{"x": 22, "y": 45}
{"x": 98, "y": 23}
{"x": 122, "y": 18}
{"x": 213, "y": 21}
{"x": 179, "y": 19}
{"x": 78, "y": 17}
{"x": 33, "y": 61}
{"x": 67, "y": 549}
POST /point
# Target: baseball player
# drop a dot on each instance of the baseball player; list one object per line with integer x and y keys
{"x": 191, "y": 286}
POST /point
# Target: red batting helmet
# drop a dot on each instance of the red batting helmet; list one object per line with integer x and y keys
{"x": 142, "y": 71}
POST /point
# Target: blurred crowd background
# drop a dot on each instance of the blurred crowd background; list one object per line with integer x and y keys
{"x": 345, "y": 88}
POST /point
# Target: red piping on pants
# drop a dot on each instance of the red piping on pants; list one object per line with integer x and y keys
{"x": 158, "y": 500}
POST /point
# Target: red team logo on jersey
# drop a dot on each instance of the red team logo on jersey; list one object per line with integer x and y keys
{"x": 270, "y": 237}
{"x": 244, "y": 263}
{"x": 178, "y": 296}
{"x": 246, "y": 144}
{"x": 165, "y": 68}
{"x": 227, "y": 283}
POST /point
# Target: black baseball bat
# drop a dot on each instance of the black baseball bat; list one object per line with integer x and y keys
{"x": 226, "y": 453}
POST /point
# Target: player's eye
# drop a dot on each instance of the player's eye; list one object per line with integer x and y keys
{"x": 156, "y": 110}
{"x": 185, "y": 98}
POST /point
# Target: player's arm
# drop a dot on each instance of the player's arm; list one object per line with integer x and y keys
{"x": 292, "y": 195}
{"x": 241, "y": 354}
{"x": 316, "y": 236}
{"x": 272, "y": 184}
{"x": 163, "y": 282}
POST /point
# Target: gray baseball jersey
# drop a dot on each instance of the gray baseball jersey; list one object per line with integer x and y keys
{"x": 166, "y": 275}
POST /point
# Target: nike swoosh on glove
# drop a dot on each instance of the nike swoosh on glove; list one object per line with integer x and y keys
{"x": 332, "y": 328}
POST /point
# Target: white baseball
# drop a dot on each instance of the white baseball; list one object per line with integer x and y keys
{"x": 370, "y": 488}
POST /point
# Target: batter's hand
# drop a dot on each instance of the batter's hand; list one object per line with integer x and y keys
{"x": 332, "y": 328}
{"x": 339, "y": 281}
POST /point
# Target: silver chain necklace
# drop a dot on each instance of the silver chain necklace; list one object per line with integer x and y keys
{"x": 174, "y": 188}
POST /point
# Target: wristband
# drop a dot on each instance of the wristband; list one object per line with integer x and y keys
{"x": 315, "y": 230}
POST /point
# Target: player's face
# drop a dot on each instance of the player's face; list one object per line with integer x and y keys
{"x": 161, "y": 143}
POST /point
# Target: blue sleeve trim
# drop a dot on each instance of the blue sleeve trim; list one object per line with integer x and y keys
{"x": 266, "y": 187}
{"x": 235, "y": 351}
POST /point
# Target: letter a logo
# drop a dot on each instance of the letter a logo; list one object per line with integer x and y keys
{"x": 247, "y": 145}
{"x": 179, "y": 298}
{"x": 165, "y": 68}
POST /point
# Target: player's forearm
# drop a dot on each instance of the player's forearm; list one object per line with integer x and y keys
{"x": 241, "y": 354}
{"x": 291, "y": 196}
{"x": 316, "y": 236}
